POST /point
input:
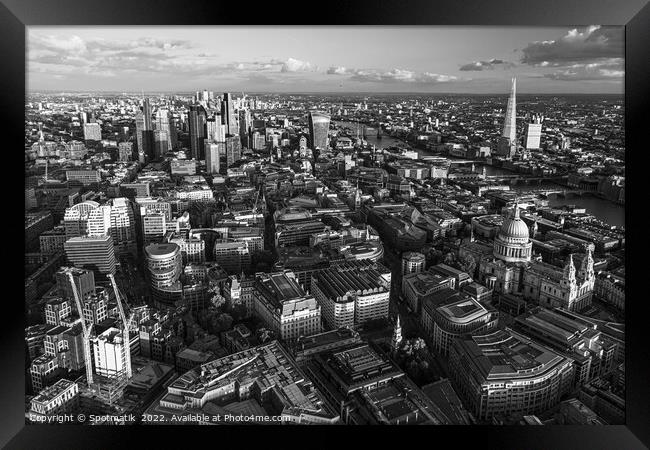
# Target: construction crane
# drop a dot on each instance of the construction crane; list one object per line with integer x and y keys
{"x": 86, "y": 329}
{"x": 125, "y": 327}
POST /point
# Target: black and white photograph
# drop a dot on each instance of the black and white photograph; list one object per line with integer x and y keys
{"x": 277, "y": 230}
{"x": 330, "y": 225}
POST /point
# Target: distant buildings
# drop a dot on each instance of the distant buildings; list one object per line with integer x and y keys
{"x": 507, "y": 145}
{"x": 319, "y": 124}
{"x": 534, "y": 133}
{"x": 92, "y": 132}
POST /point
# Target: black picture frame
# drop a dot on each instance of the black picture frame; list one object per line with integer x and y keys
{"x": 15, "y": 15}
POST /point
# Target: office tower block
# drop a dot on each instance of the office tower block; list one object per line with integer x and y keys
{"x": 144, "y": 132}
{"x": 228, "y": 115}
{"x": 197, "y": 119}
{"x": 164, "y": 125}
{"x": 99, "y": 221}
{"x": 233, "y": 150}
{"x": 109, "y": 350}
{"x": 122, "y": 225}
{"x": 319, "y": 124}
{"x": 245, "y": 127}
{"x": 92, "y": 132}
{"x": 84, "y": 279}
{"x": 164, "y": 263}
{"x": 507, "y": 145}
{"x": 216, "y": 130}
{"x": 212, "y": 160}
{"x": 125, "y": 151}
{"x": 259, "y": 141}
{"x": 95, "y": 253}
{"x": 534, "y": 133}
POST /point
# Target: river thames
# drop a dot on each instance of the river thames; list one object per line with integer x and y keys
{"x": 609, "y": 212}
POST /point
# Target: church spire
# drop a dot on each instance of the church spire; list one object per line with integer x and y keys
{"x": 397, "y": 336}
{"x": 570, "y": 269}
{"x": 587, "y": 265}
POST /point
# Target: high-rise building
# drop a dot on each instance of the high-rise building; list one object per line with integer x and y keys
{"x": 259, "y": 141}
{"x": 84, "y": 279}
{"x": 507, "y": 145}
{"x": 233, "y": 149}
{"x": 319, "y": 124}
{"x": 122, "y": 225}
{"x": 164, "y": 262}
{"x": 92, "y": 132}
{"x": 95, "y": 253}
{"x": 212, "y": 157}
{"x": 534, "y": 133}
{"x": 228, "y": 115}
{"x": 197, "y": 119}
{"x": 125, "y": 151}
{"x": 144, "y": 132}
{"x": 109, "y": 350}
{"x": 165, "y": 132}
{"x": 245, "y": 127}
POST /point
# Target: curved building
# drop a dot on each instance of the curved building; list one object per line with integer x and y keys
{"x": 513, "y": 243}
{"x": 412, "y": 262}
{"x": 506, "y": 373}
{"x": 319, "y": 124}
{"x": 164, "y": 264}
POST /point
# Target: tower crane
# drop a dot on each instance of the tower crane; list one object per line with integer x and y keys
{"x": 86, "y": 329}
{"x": 125, "y": 327}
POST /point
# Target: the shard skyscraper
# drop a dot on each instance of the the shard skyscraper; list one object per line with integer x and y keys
{"x": 510, "y": 123}
{"x": 508, "y": 142}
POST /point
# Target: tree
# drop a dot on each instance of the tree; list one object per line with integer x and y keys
{"x": 218, "y": 301}
{"x": 467, "y": 264}
{"x": 265, "y": 335}
{"x": 450, "y": 259}
{"x": 223, "y": 322}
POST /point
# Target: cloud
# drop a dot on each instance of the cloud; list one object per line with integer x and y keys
{"x": 103, "y": 57}
{"x": 390, "y": 76}
{"x": 612, "y": 70}
{"x": 339, "y": 70}
{"x": 589, "y": 45}
{"x": 295, "y": 65}
{"x": 400, "y": 76}
{"x": 486, "y": 65}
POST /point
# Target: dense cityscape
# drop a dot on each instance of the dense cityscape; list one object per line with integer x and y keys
{"x": 324, "y": 225}
{"x": 213, "y": 258}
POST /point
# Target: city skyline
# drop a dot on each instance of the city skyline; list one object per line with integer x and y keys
{"x": 558, "y": 60}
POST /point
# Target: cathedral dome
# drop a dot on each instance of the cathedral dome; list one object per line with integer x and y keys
{"x": 514, "y": 227}
{"x": 512, "y": 243}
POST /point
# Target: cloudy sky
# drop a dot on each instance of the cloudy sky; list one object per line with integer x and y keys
{"x": 326, "y": 59}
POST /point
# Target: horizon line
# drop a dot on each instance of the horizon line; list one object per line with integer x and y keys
{"x": 139, "y": 92}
